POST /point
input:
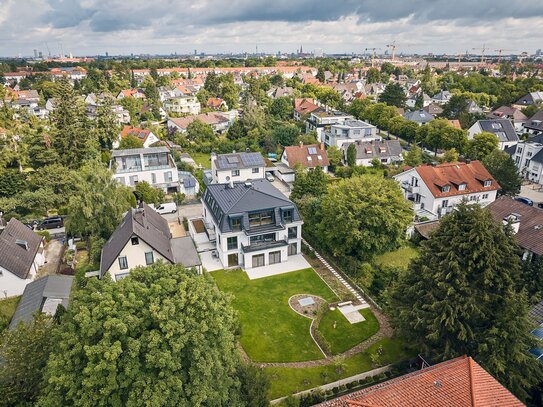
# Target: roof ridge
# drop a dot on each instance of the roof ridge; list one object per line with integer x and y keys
{"x": 471, "y": 381}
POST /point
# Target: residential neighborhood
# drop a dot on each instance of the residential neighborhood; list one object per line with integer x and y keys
{"x": 271, "y": 204}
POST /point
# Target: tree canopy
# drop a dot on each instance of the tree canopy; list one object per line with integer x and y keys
{"x": 502, "y": 167}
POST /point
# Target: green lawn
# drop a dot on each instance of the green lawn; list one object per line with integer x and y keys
{"x": 271, "y": 330}
{"x": 285, "y": 381}
{"x": 203, "y": 159}
{"x": 398, "y": 258}
{"x": 7, "y": 309}
{"x": 345, "y": 335}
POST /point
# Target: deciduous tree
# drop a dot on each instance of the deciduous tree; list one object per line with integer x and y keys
{"x": 502, "y": 167}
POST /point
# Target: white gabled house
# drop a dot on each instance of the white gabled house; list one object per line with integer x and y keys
{"x": 436, "y": 190}
{"x": 251, "y": 223}
{"x": 21, "y": 255}
{"x": 238, "y": 167}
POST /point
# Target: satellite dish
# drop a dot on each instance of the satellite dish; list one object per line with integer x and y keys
{"x": 227, "y": 178}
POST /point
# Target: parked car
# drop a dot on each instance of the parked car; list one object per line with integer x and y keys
{"x": 270, "y": 177}
{"x": 168, "y": 207}
{"x": 53, "y": 222}
{"x": 524, "y": 200}
{"x": 540, "y": 205}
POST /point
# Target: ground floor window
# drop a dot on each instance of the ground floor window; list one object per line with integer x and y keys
{"x": 275, "y": 257}
{"x": 233, "y": 260}
{"x": 258, "y": 260}
{"x": 292, "y": 249}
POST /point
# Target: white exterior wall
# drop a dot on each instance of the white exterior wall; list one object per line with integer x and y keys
{"x": 135, "y": 256}
{"x": 11, "y": 285}
{"x": 188, "y": 105}
{"x": 473, "y": 130}
{"x": 146, "y": 176}
{"x": 245, "y": 174}
{"x": 530, "y": 169}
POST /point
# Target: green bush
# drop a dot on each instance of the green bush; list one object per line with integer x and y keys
{"x": 45, "y": 234}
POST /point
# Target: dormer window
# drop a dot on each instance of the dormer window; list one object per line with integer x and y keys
{"x": 287, "y": 215}
{"x": 236, "y": 224}
{"x": 446, "y": 188}
{"x": 462, "y": 187}
{"x": 135, "y": 240}
{"x": 309, "y": 158}
{"x": 488, "y": 183}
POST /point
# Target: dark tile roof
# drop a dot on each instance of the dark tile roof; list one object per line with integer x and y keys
{"x": 427, "y": 228}
{"x": 14, "y": 257}
{"x": 145, "y": 223}
{"x": 376, "y": 149}
{"x": 37, "y": 292}
{"x": 502, "y": 128}
{"x": 530, "y": 233}
{"x": 535, "y": 122}
{"x": 242, "y": 198}
{"x": 234, "y": 161}
{"x": 418, "y": 116}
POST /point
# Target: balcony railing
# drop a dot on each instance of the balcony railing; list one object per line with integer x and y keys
{"x": 254, "y": 247}
{"x": 411, "y": 188}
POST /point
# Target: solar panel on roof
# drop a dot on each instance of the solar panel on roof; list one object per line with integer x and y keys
{"x": 312, "y": 150}
{"x": 252, "y": 159}
{"x": 232, "y": 159}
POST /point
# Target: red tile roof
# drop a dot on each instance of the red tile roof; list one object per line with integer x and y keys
{"x": 473, "y": 174}
{"x": 456, "y": 124}
{"x": 307, "y": 155}
{"x": 141, "y": 134}
{"x": 207, "y": 118}
{"x": 305, "y": 105}
{"x": 214, "y": 103}
{"x": 459, "y": 382}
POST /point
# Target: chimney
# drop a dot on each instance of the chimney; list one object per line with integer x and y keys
{"x": 513, "y": 219}
{"x": 231, "y": 183}
{"x": 321, "y": 146}
{"x": 301, "y": 143}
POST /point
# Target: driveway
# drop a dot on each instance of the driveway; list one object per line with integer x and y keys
{"x": 190, "y": 211}
{"x": 282, "y": 186}
{"x": 529, "y": 192}
{"x": 52, "y": 253}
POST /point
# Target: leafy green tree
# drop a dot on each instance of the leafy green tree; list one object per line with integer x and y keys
{"x": 460, "y": 296}
{"x": 309, "y": 183}
{"x": 130, "y": 141}
{"x": 212, "y": 83}
{"x": 450, "y": 156}
{"x": 482, "y": 145}
{"x": 330, "y": 97}
{"x": 413, "y": 157}
{"x": 393, "y": 95}
{"x": 456, "y": 105}
{"x": 373, "y": 215}
{"x": 12, "y": 181}
{"x": 107, "y": 127}
{"x": 98, "y": 202}
{"x": 335, "y": 156}
{"x": 24, "y": 352}
{"x": 277, "y": 80}
{"x": 373, "y": 75}
{"x": 351, "y": 155}
{"x": 39, "y": 149}
{"x": 72, "y": 138}
{"x": 285, "y": 134}
{"x": 320, "y": 75}
{"x": 282, "y": 108}
{"x": 199, "y": 131}
{"x": 255, "y": 385}
{"x": 439, "y": 134}
{"x": 236, "y": 131}
{"x": 502, "y": 167}
{"x": 163, "y": 336}
{"x": 146, "y": 193}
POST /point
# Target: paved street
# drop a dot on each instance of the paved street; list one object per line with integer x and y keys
{"x": 529, "y": 192}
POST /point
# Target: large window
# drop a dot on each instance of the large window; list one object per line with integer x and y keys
{"x": 275, "y": 257}
{"x": 256, "y": 170}
{"x": 149, "y": 258}
{"x": 152, "y": 161}
{"x": 235, "y": 173}
{"x": 261, "y": 218}
{"x": 168, "y": 176}
{"x": 287, "y": 215}
{"x": 268, "y": 237}
{"x": 292, "y": 249}
{"x": 232, "y": 260}
{"x": 133, "y": 180}
{"x": 293, "y": 232}
{"x": 236, "y": 224}
{"x": 232, "y": 243}
{"x": 123, "y": 263}
{"x": 258, "y": 260}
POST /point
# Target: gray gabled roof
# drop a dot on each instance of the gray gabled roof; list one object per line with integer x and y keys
{"x": 235, "y": 161}
{"x": 184, "y": 252}
{"x": 14, "y": 257}
{"x": 502, "y": 128}
{"x": 37, "y": 293}
{"x": 222, "y": 200}
{"x": 376, "y": 149}
{"x": 418, "y": 116}
{"x": 144, "y": 223}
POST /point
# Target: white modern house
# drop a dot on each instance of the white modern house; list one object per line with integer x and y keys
{"x": 348, "y": 131}
{"x": 502, "y": 128}
{"x": 252, "y": 224}
{"x": 322, "y": 117}
{"x": 436, "y": 190}
{"x": 237, "y": 167}
{"x": 183, "y": 104}
{"x": 21, "y": 255}
{"x": 154, "y": 165}
{"x": 143, "y": 238}
{"x": 528, "y": 157}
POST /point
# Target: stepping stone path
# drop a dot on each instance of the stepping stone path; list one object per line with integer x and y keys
{"x": 349, "y": 287}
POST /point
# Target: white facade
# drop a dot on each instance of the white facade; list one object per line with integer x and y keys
{"x": 243, "y": 174}
{"x": 319, "y": 119}
{"x": 477, "y": 129}
{"x": 133, "y": 255}
{"x": 528, "y": 167}
{"x": 349, "y": 132}
{"x": 183, "y": 104}
{"x": 416, "y": 190}
{"x": 12, "y": 285}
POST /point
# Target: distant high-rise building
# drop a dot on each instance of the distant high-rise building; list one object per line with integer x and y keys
{"x": 538, "y": 52}
{"x": 40, "y": 54}
{"x": 107, "y": 54}
{"x": 35, "y": 53}
{"x": 195, "y": 52}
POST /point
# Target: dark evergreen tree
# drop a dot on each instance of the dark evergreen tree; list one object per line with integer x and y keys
{"x": 502, "y": 167}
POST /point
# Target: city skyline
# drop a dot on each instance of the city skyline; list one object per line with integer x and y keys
{"x": 94, "y": 27}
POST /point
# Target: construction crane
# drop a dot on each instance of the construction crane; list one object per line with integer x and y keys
{"x": 392, "y": 46}
{"x": 48, "y": 50}
{"x": 372, "y": 55}
{"x": 482, "y": 52}
{"x": 499, "y": 51}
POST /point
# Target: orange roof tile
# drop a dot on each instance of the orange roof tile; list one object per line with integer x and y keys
{"x": 308, "y": 156}
{"x": 304, "y": 105}
{"x": 473, "y": 174}
{"x": 141, "y": 134}
{"x": 459, "y": 382}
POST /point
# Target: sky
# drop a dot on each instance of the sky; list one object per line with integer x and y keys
{"x": 92, "y": 27}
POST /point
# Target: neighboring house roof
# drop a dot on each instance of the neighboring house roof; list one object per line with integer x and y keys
{"x": 135, "y": 151}
{"x": 376, "y": 149}
{"x": 215, "y": 103}
{"x": 443, "y": 95}
{"x": 145, "y": 223}
{"x": 280, "y": 92}
{"x": 140, "y": 134}
{"x": 457, "y": 382}
{"x": 207, "y": 118}
{"x": 239, "y": 161}
{"x": 418, "y": 116}
{"x": 18, "y": 248}
{"x": 304, "y": 106}
{"x": 473, "y": 174}
{"x": 535, "y": 122}
{"x": 42, "y": 295}
{"x": 433, "y": 109}
{"x": 530, "y": 233}
{"x": 473, "y": 107}
{"x": 308, "y": 156}
{"x": 455, "y": 123}
{"x": 245, "y": 197}
{"x": 502, "y": 128}
{"x": 507, "y": 112}
{"x": 530, "y": 99}
{"x": 425, "y": 229}
{"x": 536, "y": 313}
{"x": 184, "y": 252}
